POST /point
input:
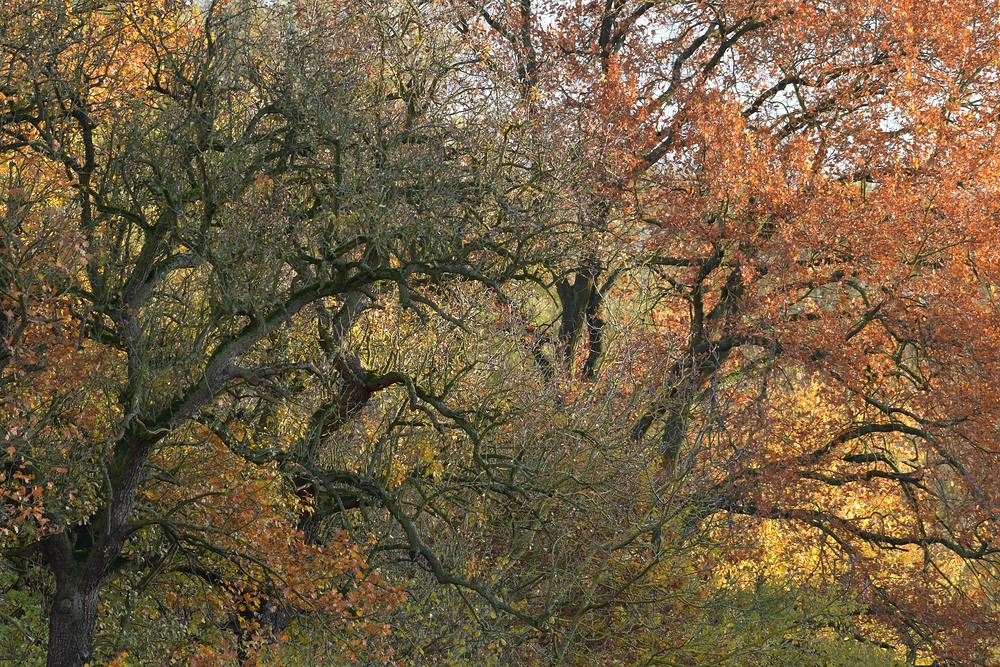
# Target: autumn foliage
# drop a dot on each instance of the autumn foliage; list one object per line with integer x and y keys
{"x": 488, "y": 332}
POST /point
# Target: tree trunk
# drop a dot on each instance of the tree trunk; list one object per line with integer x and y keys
{"x": 81, "y": 558}
{"x": 595, "y": 325}
{"x": 573, "y": 297}
{"x": 576, "y": 299}
{"x": 71, "y": 624}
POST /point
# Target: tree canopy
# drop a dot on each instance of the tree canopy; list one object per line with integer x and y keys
{"x": 495, "y": 332}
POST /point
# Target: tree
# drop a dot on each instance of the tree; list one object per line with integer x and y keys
{"x": 808, "y": 195}
{"x": 212, "y": 187}
{"x": 534, "y": 333}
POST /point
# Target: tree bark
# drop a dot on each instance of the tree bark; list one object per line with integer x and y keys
{"x": 71, "y": 623}
{"x": 573, "y": 297}
{"x": 81, "y": 559}
{"x": 576, "y": 300}
{"x": 595, "y": 325}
